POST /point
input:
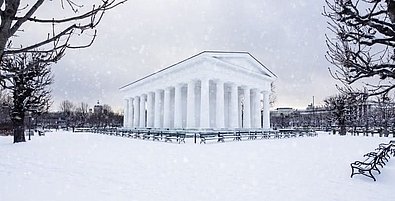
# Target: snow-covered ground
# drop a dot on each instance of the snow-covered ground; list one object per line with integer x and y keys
{"x": 82, "y": 167}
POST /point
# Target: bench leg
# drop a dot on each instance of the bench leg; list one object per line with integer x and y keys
{"x": 371, "y": 175}
{"x": 352, "y": 171}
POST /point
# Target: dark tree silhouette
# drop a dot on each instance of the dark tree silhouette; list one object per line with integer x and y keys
{"x": 362, "y": 49}
{"x": 14, "y": 14}
{"x": 27, "y": 81}
{"x": 337, "y": 105}
{"x": 67, "y": 108}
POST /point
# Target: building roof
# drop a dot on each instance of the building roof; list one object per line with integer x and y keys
{"x": 214, "y": 54}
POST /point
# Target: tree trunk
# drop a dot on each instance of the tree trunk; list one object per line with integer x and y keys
{"x": 342, "y": 130}
{"x": 19, "y": 130}
{"x": 18, "y": 119}
{"x": 7, "y": 16}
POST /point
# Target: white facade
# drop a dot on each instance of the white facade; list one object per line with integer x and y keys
{"x": 209, "y": 90}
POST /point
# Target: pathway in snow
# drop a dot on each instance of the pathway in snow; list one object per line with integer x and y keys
{"x": 66, "y": 166}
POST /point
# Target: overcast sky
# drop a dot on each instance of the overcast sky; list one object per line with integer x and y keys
{"x": 141, "y": 37}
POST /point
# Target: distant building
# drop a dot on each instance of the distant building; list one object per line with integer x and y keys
{"x": 98, "y": 109}
{"x": 287, "y": 117}
{"x": 282, "y": 111}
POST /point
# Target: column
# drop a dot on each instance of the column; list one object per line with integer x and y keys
{"x": 157, "y": 112}
{"x": 247, "y": 108}
{"x": 256, "y": 113}
{"x": 178, "y": 106}
{"x": 166, "y": 111}
{"x": 205, "y": 104}
{"x": 233, "y": 113}
{"x": 220, "y": 101}
{"x": 136, "y": 115}
{"x": 191, "y": 104}
{"x": 126, "y": 113}
{"x": 150, "y": 109}
{"x": 131, "y": 113}
{"x": 266, "y": 111}
{"x": 142, "y": 111}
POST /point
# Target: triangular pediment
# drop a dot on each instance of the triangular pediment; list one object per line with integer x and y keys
{"x": 242, "y": 60}
{"x": 230, "y": 61}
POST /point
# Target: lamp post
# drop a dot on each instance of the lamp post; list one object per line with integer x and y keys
{"x": 314, "y": 118}
{"x": 29, "y": 116}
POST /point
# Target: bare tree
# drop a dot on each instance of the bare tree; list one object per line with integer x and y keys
{"x": 82, "y": 112}
{"x": 362, "y": 50}
{"x": 67, "y": 107}
{"x": 27, "y": 81}
{"x": 82, "y": 108}
{"x": 383, "y": 114}
{"x": 339, "y": 106}
{"x": 107, "y": 109}
{"x": 16, "y": 13}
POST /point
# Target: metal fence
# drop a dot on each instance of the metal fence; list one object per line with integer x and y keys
{"x": 200, "y": 136}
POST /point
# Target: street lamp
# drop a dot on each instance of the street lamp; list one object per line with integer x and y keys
{"x": 29, "y": 116}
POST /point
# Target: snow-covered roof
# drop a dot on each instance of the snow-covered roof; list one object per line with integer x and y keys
{"x": 242, "y": 61}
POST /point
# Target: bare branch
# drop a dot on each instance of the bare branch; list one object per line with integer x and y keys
{"x": 364, "y": 44}
{"x": 57, "y": 41}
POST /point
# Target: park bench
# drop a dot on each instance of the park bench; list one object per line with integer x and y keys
{"x": 128, "y": 133}
{"x": 124, "y": 133}
{"x": 77, "y": 130}
{"x": 204, "y": 137}
{"x": 366, "y": 167}
{"x": 252, "y": 135}
{"x": 392, "y": 149}
{"x": 157, "y": 135}
{"x": 372, "y": 162}
{"x": 139, "y": 134}
{"x": 40, "y": 133}
{"x": 274, "y": 134}
{"x": 233, "y": 135}
{"x": 286, "y": 133}
{"x": 147, "y": 135}
{"x": 265, "y": 135}
{"x": 178, "y": 137}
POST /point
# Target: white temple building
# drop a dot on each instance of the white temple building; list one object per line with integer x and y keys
{"x": 220, "y": 90}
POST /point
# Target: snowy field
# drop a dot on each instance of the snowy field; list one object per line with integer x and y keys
{"x": 83, "y": 167}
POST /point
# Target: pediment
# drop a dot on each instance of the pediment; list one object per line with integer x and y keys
{"x": 243, "y": 61}
{"x": 233, "y": 61}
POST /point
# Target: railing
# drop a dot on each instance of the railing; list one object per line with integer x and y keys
{"x": 200, "y": 136}
{"x": 362, "y": 131}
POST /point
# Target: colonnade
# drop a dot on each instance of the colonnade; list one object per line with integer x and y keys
{"x": 203, "y": 103}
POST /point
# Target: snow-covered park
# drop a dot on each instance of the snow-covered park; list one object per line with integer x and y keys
{"x": 81, "y": 167}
